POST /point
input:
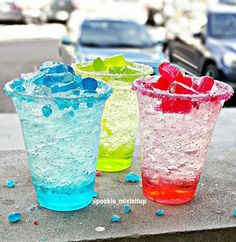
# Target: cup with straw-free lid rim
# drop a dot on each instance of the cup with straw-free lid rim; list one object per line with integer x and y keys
{"x": 177, "y": 116}
{"x": 60, "y": 115}
{"x": 120, "y": 117}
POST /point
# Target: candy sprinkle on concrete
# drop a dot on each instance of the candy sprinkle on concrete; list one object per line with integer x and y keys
{"x": 98, "y": 173}
{"x": 159, "y": 212}
{"x": 10, "y": 183}
{"x": 234, "y": 212}
{"x": 36, "y": 223}
{"x": 126, "y": 208}
{"x": 115, "y": 218}
{"x": 131, "y": 177}
{"x": 100, "y": 229}
{"x": 31, "y": 208}
{"x": 95, "y": 194}
{"x": 14, "y": 217}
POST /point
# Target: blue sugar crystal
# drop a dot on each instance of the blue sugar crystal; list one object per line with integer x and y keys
{"x": 126, "y": 208}
{"x": 47, "y": 111}
{"x": 89, "y": 104}
{"x": 14, "y": 217}
{"x": 10, "y": 183}
{"x": 62, "y": 103}
{"x": 159, "y": 212}
{"x": 131, "y": 177}
{"x": 95, "y": 194}
{"x": 90, "y": 83}
{"x": 71, "y": 113}
{"x": 234, "y": 212}
{"x": 115, "y": 218}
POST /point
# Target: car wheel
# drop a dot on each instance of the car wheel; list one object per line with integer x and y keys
{"x": 212, "y": 71}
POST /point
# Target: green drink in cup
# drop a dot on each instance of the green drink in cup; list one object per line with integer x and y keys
{"x": 120, "y": 117}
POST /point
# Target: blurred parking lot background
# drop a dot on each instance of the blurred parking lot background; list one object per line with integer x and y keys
{"x": 199, "y": 36}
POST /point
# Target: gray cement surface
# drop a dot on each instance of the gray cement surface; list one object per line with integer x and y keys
{"x": 207, "y": 218}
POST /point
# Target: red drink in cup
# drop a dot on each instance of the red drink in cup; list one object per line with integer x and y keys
{"x": 177, "y": 116}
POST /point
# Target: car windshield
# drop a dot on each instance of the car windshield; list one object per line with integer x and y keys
{"x": 114, "y": 34}
{"x": 222, "y": 25}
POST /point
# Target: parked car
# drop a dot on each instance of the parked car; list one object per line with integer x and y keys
{"x": 59, "y": 10}
{"x": 106, "y": 37}
{"x": 210, "y": 51}
{"x": 10, "y": 11}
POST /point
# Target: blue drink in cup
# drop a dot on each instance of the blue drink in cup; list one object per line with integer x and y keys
{"x": 60, "y": 115}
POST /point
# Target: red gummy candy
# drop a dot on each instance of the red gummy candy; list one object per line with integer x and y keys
{"x": 161, "y": 84}
{"x": 179, "y": 88}
{"x": 178, "y": 105}
{"x": 170, "y": 72}
{"x": 206, "y": 84}
{"x": 98, "y": 173}
{"x": 187, "y": 81}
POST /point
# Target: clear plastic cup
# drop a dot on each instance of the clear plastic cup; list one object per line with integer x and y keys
{"x": 63, "y": 147}
{"x": 175, "y": 139}
{"x": 120, "y": 118}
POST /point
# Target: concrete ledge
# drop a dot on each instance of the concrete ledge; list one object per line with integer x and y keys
{"x": 207, "y": 218}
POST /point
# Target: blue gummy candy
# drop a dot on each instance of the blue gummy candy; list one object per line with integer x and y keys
{"x": 70, "y": 69}
{"x": 115, "y": 218}
{"x": 234, "y": 212}
{"x": 131, "y": 177}
{"x": 90, "y": 83}
{"x": 159, "y": 212}
{"x": 53, "y": 67}
{"x": 47, "y": 111}
{"x": 14, "y": 217}
{"x": 126, "y": 208}
{"x": 20, "y": 89}
{"x": 76, "y": 92}
{"x": 46, "y": 65}
{"x": 52, "y": 79}
{"x": 10, "y": 183}
{"x": 65, "y": 88}
{"x": 95, "y": 194}
{"x": 43, "y": 239}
